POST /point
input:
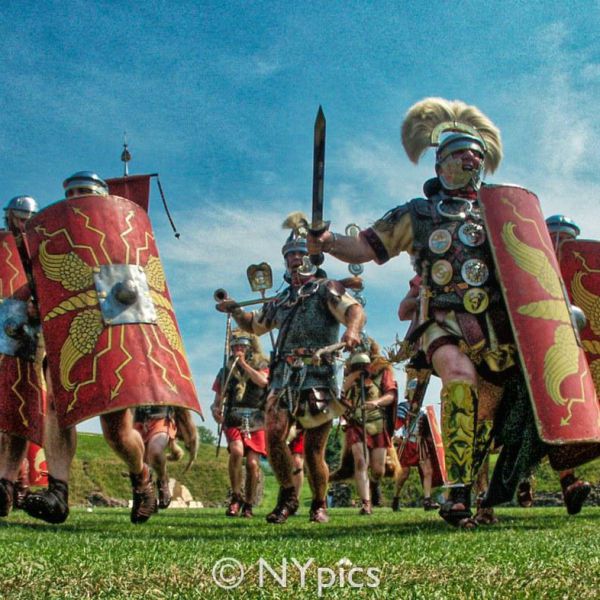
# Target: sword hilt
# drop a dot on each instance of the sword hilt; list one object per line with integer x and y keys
{"x": 316, "y": 230}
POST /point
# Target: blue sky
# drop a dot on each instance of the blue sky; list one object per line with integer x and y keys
{"x": 220, "y": 99}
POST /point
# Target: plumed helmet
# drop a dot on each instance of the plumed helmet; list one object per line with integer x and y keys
{"x": 84, "y": 183}
{"x": 562, "y": 224}
{"x": 24, "y": 206}
{"x": 296, "y": 241}
{"x": 451, "y": 125}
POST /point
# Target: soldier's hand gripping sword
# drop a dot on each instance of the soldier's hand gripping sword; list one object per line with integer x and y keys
{"x": 318, "y": 226}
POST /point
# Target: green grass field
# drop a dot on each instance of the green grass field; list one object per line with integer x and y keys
{"x": 535, "y": 553}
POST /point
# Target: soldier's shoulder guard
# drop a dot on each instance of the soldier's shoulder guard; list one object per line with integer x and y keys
{"x": 420, "y": 206}
{"x": 392, "y": 216}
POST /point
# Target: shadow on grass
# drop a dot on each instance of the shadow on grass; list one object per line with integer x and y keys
{"x": 208, "y": 526}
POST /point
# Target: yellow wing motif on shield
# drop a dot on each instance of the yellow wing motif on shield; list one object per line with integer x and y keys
{"x": 533, "y": 261}
{"x": 68, "y": 269}
{"x": 84, "y": 332}
{"x": 588, "y": 302}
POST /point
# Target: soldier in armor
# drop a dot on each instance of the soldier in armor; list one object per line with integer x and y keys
{"x": 20, "y": 349}
{"x": 241, "y": 412}
{"x": 574, "y": 490}
{"x": 462, "y": 306}
{"x": 415, "y": 447}
{"x": 368, "y": 415}
{"x": 52, "y": 504}
{"x": 303, "y": 385}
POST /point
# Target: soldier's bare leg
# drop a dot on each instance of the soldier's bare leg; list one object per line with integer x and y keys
{"x": 298, "y": 472}
{"x": 155, "y": 457}
{"x": 12, "y": 453}
{"x": 400, "y": 481}
{"x": 318, "y": 471}
{"x": 252, "y": 473}
{"x": 427, "y": 471}
{"x": 277, "y": 426}
{"x": 127, "y": 443}
{"x": 52, "y": 504}
{"x": 361, "y": 476}
{"x": 234, "y": 466}
{"x": 236, "y": 460}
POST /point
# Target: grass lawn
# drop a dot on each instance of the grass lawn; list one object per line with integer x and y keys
{"x": 535, "y": 553}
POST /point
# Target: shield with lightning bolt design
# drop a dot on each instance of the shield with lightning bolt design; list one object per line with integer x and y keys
{"x": 111, "y": 335}
{"x": 437, "y": 455}
{"x": 553, "y": 361}
{"x": 22, "y": 391}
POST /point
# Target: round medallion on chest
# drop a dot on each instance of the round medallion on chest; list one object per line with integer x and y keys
{"x": 471, "y": 234}
{"x": 476, "y": 300}
{"x": 474, "y": 271}
{"x": 440, "y": 241}
{"x": 441, "y": 272}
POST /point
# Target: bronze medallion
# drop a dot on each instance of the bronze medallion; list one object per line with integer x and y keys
{"x": 441, "y": 272}
{"x": 476, "y": 300}
{"x": 440, "y": 241}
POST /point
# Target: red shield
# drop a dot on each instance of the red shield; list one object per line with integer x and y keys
{"x": 106, "y": 355}
{"x": 580, "y": 267}
{"x": 556, "y": 372}
{"x": 438, "y": 461}
{"x": 22, "y": 394}
{"x": 37, "y": 467}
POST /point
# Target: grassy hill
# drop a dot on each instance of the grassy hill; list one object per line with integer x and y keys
{"x": 97, "y": 468}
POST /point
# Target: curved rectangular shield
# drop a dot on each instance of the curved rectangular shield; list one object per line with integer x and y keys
{"x": 22, "y": 390}
{"x": 112, "y": 339}
{"x": 438, "y": 458}
{"x": 556, "y": 370}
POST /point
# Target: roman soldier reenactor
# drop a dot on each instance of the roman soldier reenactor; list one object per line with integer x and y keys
{"x": 111, "y": 338}
{"x": 483, "y": 253}
{"x": 303, "y": 385}
{"x": 240, "y": 410}
{"x": 371, "y": 394}
{"x": 22, "y": 388}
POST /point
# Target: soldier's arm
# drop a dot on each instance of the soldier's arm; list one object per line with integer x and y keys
{"x": 248, "y": 321}
{"x": 348, "y": 249}
{"x": 217, "y": 408}
{"x": 389, "y": 236}
{"x": 259, "y": 377}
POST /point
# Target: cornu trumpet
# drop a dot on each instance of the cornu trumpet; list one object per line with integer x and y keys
{"x": 221, "y": 294}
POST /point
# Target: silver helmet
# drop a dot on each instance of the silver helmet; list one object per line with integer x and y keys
{"x": 558, "y": 224}
{"x": 21, "y": 206}
{"x": 25, "y": 206}
{"x": 84, "y": 183}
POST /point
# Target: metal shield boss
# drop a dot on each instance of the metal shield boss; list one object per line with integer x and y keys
{"x": 438, "y": 458}
{"x": 22, "y": 390}
{"x": 553, "y": 360}
{"x": 112, "y": 339}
